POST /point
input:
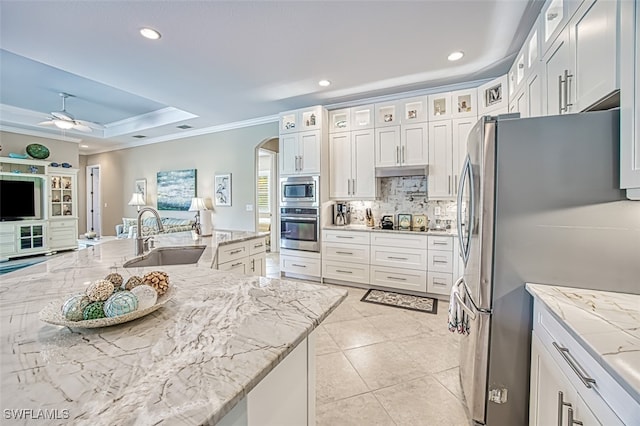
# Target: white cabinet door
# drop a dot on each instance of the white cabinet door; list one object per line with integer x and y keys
{"x": 387, "y": 114}
{"x": 309, "y": 152}
{"x": 414, "y": 149}
{"x": 288, "y": 154}
{"x": 556, "y": 62}
{"x": 534, "y": 94}
{"x": 522, "y": 101}
{"x": 257, "y": 265}
{"x": 340, "y": 120}
{"x": 387, "y": 146}
{"x": 550, "y": 390}
{"x": 362, "y": 117}
{"x": 340, "y": 165}
{"x": 464, "y": 103}
{"x": 363, "y": 170}
{"x": 593, "y": 38}
{"x": 461, "y": 129}
{"x": 414, "y": 110}
{"x": 440, "y": 179}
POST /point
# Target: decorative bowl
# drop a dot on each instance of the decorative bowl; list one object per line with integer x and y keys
{"x": 52, "y": 314}
{"x": 37, "y": 151}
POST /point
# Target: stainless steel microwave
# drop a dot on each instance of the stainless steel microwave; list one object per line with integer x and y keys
{"x": 299, "y": 191}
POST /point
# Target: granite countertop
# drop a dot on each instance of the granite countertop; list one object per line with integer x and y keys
{"x": 448, "y": 233}
{"x": 606, "y": 325}
{"x": 189, "y": 362}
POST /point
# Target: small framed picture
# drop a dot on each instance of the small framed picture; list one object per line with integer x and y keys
{"x": 419, "y": 222}
{"x": 222, "y": 184}
{"x": 141, "y": 187}
{"x": 404, "y": 221}
{"x": 493, "y": 95}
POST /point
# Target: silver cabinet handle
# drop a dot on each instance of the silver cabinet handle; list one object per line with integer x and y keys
{"x": 257, "y": 245}
{"x": 564, "y": 352}
{"x": 403, "y": 160}
{"x": 236, "y": 264}
{"x": 296, "y": 164}
{"x": 344, "y": 252}
{"x": 436, "y": 282}
{"x": 299, "y": 266}
{"x": 397, "y": 278}
{"x": 301, "y": 163}
{"x": 342, "y": 236}
{"x": 349, "y": 186}
{"x": 560, "y": 107}
{"x": 440, "y": 261}
{"x": 561, "y": 405}
{"x": 449, "y": 183}
{"x": 344, "y": 272}
{"x": 353, "y": 186}
{"x": 570, "y": 420}
{"x": 235, "y": 251}
{"x": 397, "y": 258}
{"x": 253, "y": 265}
{"x": 567, "y": 76}
{"x": 440, "y": 243}
{"x": 455, "y": 184}
{"x": 397, "y": 154}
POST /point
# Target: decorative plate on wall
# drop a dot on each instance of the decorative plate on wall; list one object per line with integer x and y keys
{"x": 37, "y": 151}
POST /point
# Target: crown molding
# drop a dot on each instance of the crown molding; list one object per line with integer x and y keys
{"x": 39, "y": 134}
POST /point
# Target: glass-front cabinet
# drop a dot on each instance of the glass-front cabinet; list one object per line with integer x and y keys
{"x": 31, "y": 237}
{"x": 63, "y": 195}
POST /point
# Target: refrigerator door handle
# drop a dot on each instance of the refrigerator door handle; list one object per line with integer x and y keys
{"x": 467, "y": 173}
{"x": 485, "y": 311}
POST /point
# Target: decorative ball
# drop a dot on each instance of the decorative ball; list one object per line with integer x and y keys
{"x": 94, "y": 310}
{"x": 99, "y": 290}
{"x": 115, "y": 278}
{"x": 120, "y": 303}
{"x": 73, "y": 307}
{"x": 147, "y": 296}
{"x": 132, "y": 282}
{"x": 158, "y": 280}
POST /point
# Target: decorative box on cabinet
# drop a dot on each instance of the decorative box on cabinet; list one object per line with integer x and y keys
{"x": 630, "y": 99}
{"x": 352, "y": 165}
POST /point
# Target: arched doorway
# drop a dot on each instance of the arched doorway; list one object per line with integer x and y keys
{"x": 267, "y": 216}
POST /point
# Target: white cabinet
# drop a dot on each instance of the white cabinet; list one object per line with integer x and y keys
{"x": 440, "y": 106}
{"x": 300, "y": 263}
{"x": 245, "y": 257}
{"x": 340, "y": 120}
{"x": 63, "y": 234}
{"x": 400, "y": 146}
{"x": 580, "y": 66}
{"x": 567, "y": 382}
{"x": 630, "y": 99}
{"x": 440, "y": 181}
{"x": 461, "y": 129}
{"x": 399, "y": 261}
{"x": 345, "y": 256}
{"x": 414, "y": 110}
{"x": 387, "y": 114}
{"x": 352, "y": 165}
{"x": 301, "y": 135}
{"x": 465, "y": 103}
{"x": 362, "y": 117}
{"x": 493, "y": 97}
{"x": 387, "y": 146}
{"x": 7, "y": 240}
{"x": 440, "y": 264}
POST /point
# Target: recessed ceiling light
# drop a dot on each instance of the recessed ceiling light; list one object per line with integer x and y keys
{"x": 150, "y": 33}
{"x": 84, "y": 146}
{"x": 455, "y": 56}
{"x": 324, "y": 83}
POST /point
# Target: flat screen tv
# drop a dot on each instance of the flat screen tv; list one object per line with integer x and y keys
{"x": 17, "y": 199}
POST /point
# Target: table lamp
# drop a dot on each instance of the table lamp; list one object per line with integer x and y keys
{"x": 137, "y": 200}
{"x": 197, "y": 204}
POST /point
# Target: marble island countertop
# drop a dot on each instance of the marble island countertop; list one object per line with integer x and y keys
{"x": 189, "y": 362}
{"x": 606, "y": 324}
{"x": 445, "y": 233}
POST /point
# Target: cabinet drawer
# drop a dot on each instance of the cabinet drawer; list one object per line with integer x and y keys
{"x": 606, "y": 392}
{"x": 399, "y": 278}
{"x": 339, "y": 252}
{"x": 351, "y": 237}
{"x": 57, "y": 224}
{"x": 396, "y": 257}
{"x": 439, "y": 283}
{"x": 352, "y": 272}
{"x": 300, "y": 265}
{"x": 440, "y": 243}
{"x": 231, "y": 252}
{"x": 399, "y": 240}
{"x": 238, "y": 266}
{"x": 257, "y": 246}
{"x": 440, "y": 261}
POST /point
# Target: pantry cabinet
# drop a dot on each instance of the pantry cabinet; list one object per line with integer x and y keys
{"x": 440, "y": 182}
{"x": 461, "y": 129}
{"x": 630, "y": 99}
{"x": 300, "y": 153}
{"x": 352, "y": 163}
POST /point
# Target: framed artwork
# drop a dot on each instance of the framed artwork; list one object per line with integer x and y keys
{"x": 222, "y": 184}
{"x": 419, "y": 222}
{"x": 404, "y": 221}
{"x": 176, "y": 188}
{"x": 141, "y": 187}
{"x": 493, "y": 95}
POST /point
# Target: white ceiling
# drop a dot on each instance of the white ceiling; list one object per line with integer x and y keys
{"x": 227, "y": 62}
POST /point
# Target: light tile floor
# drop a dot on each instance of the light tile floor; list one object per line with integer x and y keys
{"x": 379, "y": 365}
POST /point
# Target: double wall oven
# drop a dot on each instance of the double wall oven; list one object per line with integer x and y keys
{"x": 300, "y": 213}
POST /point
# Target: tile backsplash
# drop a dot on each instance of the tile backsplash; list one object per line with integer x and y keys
{"x": 403, "y": 195}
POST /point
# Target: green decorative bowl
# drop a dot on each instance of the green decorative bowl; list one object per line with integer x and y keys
{"x": 37, "y": 151}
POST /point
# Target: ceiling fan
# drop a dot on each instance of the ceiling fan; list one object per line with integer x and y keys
{"x": 65, "y": 121}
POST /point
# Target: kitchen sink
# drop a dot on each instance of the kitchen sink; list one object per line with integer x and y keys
{"x": 167, "y": 256}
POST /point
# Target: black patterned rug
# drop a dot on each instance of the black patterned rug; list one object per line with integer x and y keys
{"x": 399, "y": 300}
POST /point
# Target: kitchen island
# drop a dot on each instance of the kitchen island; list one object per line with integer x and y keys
{"x": 190, "y": 362}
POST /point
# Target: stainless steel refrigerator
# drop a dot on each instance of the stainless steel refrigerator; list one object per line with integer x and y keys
{"x": 538, "y": 201}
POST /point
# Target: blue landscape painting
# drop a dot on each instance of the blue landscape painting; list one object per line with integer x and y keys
{"x": 176, "y": 188}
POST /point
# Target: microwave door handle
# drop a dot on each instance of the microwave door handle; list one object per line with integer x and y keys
{"x": 302, "y": 219}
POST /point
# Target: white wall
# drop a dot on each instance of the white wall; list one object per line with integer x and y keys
{"x": 232, "y": 151}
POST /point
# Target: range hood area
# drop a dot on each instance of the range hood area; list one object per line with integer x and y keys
{"x": 402, "y": 171}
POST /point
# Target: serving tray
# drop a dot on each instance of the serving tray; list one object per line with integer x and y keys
{"x": 52, "y": 314}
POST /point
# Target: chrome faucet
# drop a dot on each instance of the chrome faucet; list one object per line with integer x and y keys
{"x": 142, "y": 243}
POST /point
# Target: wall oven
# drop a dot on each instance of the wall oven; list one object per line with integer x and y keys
{"x": 299, "y": 191}
{"x": 300, "y": 228}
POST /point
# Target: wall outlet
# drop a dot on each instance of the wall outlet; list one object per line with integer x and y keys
{"x": 437, "y": 210}
{"x": 249, "y": 207}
